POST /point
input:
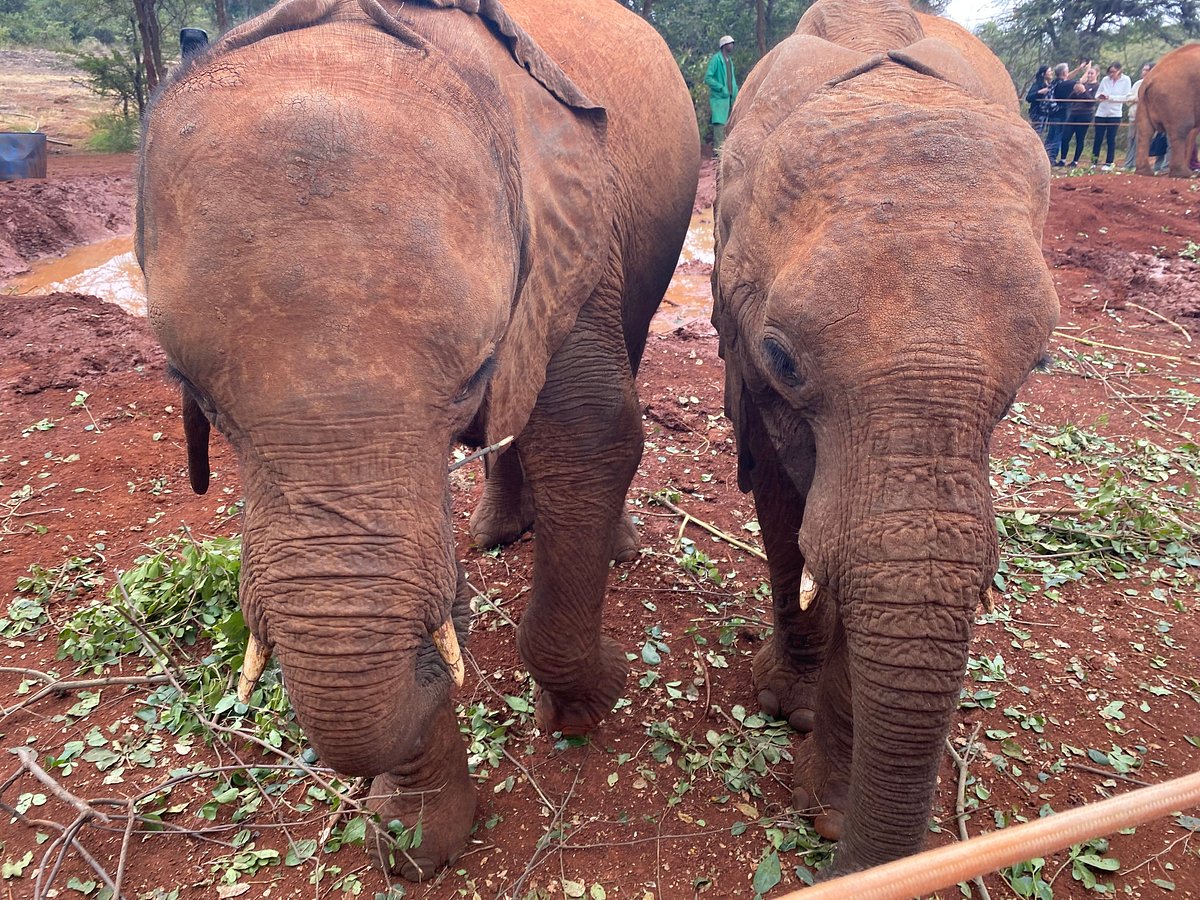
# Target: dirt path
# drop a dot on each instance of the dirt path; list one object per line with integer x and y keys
{"x": 1083, "y": 681}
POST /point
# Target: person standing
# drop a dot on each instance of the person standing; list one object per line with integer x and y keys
{"x": 1038, "y": 98}
{"x": 1060, "y": 94}
{"x": 1115, "y": 88}
{"x": 722, "y": 88}
{"x": 1131, "y": 150}
{"x": 1080, "y": 114}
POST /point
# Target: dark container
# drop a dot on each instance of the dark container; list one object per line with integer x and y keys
{"x": 22, "y": 155}
{"x": 192, "y": 40}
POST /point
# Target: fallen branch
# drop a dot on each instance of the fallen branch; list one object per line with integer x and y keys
{"x": 479, "y": 454}
{"x": 661, "y": 500}
{"x": 1071, "y": 337}
{"x": 960, "y": 804}
{"x": 1080, "y": 767}
{"x": 60, "y": 687}
{"x": 1156, "y": 315}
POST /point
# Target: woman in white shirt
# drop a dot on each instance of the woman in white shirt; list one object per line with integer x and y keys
{"x": 1113, "y": 91}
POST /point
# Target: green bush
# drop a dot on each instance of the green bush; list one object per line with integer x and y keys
{"x": 113, "y": 133}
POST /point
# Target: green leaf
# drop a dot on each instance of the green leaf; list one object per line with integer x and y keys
{"x": 572, "y": 888}
{"x": 300, "y": 851}
{"x": 16, "y": 868}
{"x": 768, "y": 874}
{"x": 355, "y": 832}
{"x": 597, "y": 892}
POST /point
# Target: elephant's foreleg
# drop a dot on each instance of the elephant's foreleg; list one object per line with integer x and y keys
{"x": 434, "y": 789}
{"x": 821, "y": 778}
{"x": 580, "y": 449}
{"x": 786, "y": 668}
{"x": 505, "y": 512}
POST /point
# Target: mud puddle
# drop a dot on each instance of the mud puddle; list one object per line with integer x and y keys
{"x": 105, "y": 269}
{"x": 109, "y": 270}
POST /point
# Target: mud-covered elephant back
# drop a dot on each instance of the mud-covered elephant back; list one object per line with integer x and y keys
{"x": 561, "y": 175}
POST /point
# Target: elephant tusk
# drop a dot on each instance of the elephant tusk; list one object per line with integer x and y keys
{"x": 808, "y": 589}
{"x": 253, "y": 665}
{"x": 989, "y": 599}
{"x": 446, "y": 642}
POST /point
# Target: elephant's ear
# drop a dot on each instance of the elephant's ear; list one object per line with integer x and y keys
{"x": 938, "y": 59}
{"x": 524, "y": 49}
{"x": 566, "y": 203}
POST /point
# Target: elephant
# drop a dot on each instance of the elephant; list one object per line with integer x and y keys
{"x": 880, "y": 295}
{"x": 1169, "y": 101}
{"x": 369, "y": 230}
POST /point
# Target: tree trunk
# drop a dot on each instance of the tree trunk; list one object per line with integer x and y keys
{"x": 223, "y": 16}
{"x": 151, "y": 34}
{"x": 760, "y": 26}
{"x": 647, "y": 8}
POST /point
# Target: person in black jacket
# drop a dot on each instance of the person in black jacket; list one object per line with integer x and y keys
{"x": 1060, "y": 93}
{"x": 1038, "y": 98}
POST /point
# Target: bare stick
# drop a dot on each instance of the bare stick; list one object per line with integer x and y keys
{"x": 125, "y": 848}
{"x": 960, "y": 804}
{"x": 661, "y": 500}
{"x": 1080, "y": 767}
{"x": 29, "y": 760}
{"x": 1170, "y": 322}
{"x": 478, "y": 454}
{"x": 1071, "y": 337}
{"x": 59, "y": 687}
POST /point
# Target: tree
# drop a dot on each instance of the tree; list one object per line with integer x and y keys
{"x": 151, "y": 35}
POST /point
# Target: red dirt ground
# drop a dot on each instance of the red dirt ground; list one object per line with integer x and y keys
{"x": 109, "y": 476}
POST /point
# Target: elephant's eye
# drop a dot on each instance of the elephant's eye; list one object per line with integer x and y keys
{"x": 780, "y": 361}
{"x": 476, "y": 381}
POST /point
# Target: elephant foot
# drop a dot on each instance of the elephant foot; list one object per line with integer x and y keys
{"x": 625, "y": 541}
{"x": 494, "y": 522}
{"x": 783, "y": 691}
{"x": 436, "y": 791}
{"x": 580, "y": 709}
{"x": 821, "y": 791}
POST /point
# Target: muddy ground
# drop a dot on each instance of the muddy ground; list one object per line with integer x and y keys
{"x": 1083, "y": 681}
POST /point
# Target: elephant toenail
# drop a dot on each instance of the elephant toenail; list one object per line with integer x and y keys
{"x": 802, "y": 801}
{"x": 768, "y": 702}
{"x": 830, "y": 825}
{"x": 802, "y": 720}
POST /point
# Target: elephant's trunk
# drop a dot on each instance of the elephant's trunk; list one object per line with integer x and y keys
{"x": 365, "y": 705}
{"x": 906, "y": 542}
{"x": 348, "y": 575}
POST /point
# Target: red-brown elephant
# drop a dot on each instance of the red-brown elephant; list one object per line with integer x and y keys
{"x": 880, "y": 294}
{"x": 1169, "y": 101}
{"x": 371, "y": 228}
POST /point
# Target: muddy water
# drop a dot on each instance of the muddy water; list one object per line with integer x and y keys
{"x": 108, "y": 269}
{"x": 690, "y": 293}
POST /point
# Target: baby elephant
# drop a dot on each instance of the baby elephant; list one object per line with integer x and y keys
{"x": 880, "y": 297}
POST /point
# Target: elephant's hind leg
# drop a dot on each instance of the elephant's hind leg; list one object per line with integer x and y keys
{"x": 787, "y": 667}
{"x": 505, "y": 512}
{"x": 580, "y": 449}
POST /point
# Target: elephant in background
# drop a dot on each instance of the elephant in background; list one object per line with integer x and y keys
{"x": 1169, "y": 101}
{"x": 370, "y": 229}
{"x": 880, "y": 295}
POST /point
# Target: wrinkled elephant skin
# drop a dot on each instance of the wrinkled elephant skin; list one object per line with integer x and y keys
{"x": 371, "y": 229}
{"x": 1169, "y": 101}
{"x": 877, "y": 313}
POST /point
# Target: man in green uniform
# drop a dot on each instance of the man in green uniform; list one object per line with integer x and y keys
{"x": 722, "y": 88}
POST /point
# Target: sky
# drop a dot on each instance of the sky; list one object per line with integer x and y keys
{"x": 973, "y": 13}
